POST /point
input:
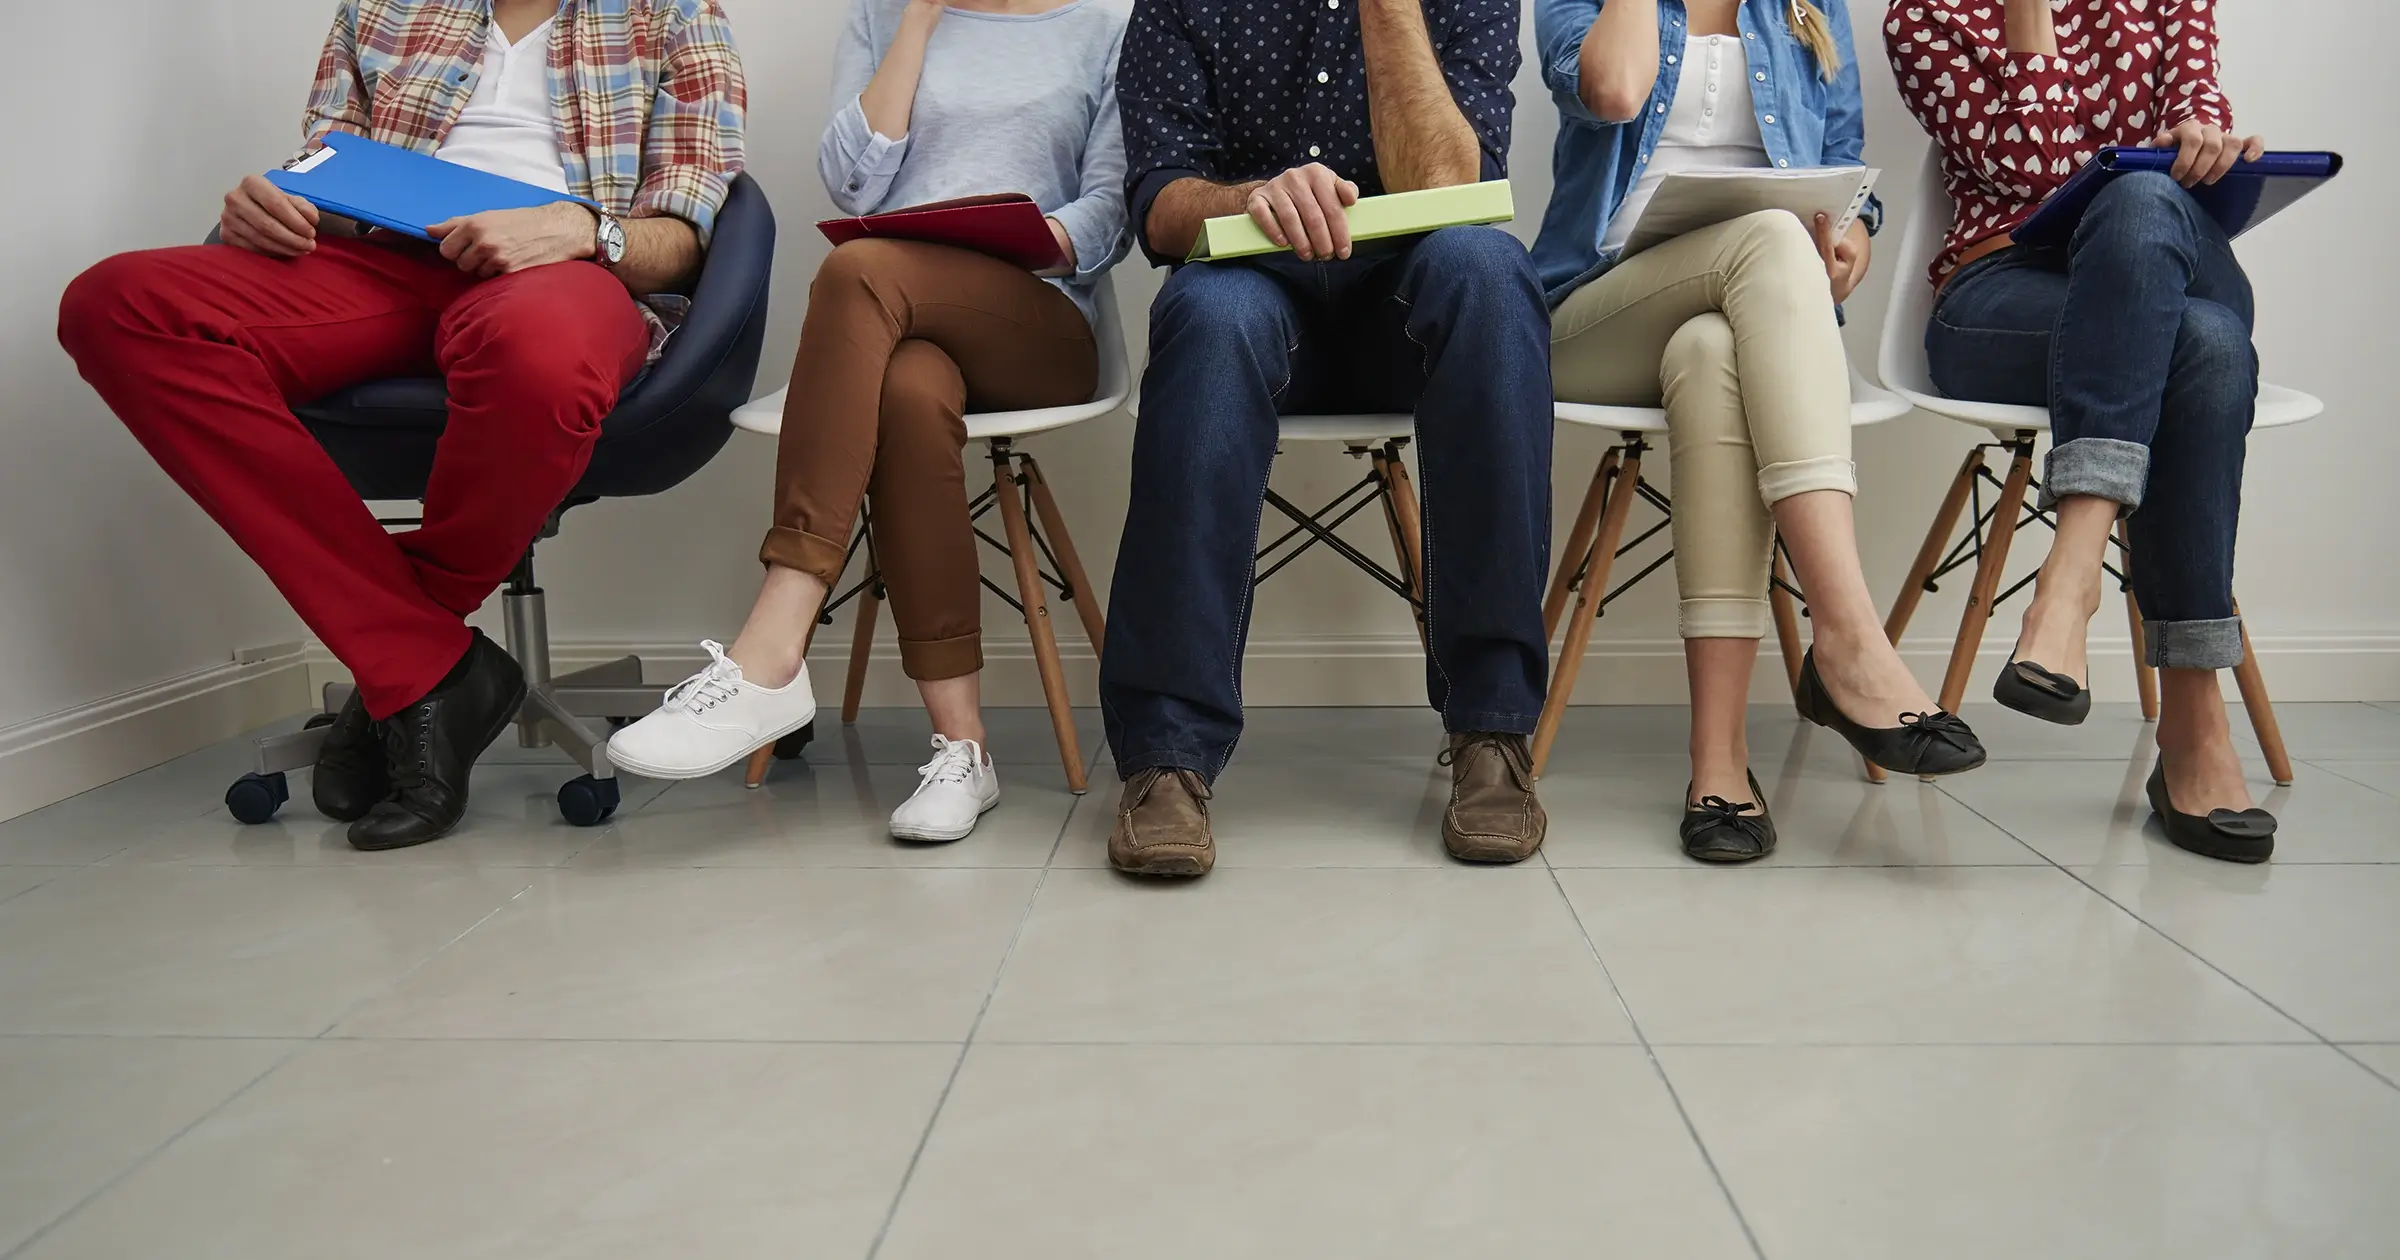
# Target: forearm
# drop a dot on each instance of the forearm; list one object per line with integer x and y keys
{"x": 1181, "y": 207}
{"x": 661, "y": 255}
{"x": 890, "y": 97}
{"x": 1421, "y": 138}
{"x": 2030, "y": 32}
{"x": 1618, "y": 67}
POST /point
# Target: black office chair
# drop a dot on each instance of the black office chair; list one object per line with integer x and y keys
{"x": 674, "y": 420}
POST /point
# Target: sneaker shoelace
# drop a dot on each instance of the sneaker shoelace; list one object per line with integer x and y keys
{"x": 954, "y": 761}
{"x": 712, "y": 686}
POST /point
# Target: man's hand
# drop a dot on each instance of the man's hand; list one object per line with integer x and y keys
{"x": 1846, "y": 259}
{"x": 500, "y": 242}
{"x": 1302, "y": 209}
{"x": 1066, "y": 250}
{"x": 264, "y": 219}
{"x": 2207, "y": 152}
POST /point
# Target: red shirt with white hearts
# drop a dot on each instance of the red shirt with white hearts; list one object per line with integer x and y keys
{"x": 2012, "y": 128}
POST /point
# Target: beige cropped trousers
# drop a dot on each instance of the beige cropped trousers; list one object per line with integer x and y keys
{"x": 1733, "y": 328}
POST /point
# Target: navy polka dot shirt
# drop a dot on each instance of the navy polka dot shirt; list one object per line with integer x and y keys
{"x": 1236, "y": 90}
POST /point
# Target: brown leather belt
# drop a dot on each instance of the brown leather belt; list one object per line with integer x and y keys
{"x": 1984, "y": 248}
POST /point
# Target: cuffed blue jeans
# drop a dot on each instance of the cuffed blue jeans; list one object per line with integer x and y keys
{"x": 1452, "y": 327}
{"x": 2136, "y": 336}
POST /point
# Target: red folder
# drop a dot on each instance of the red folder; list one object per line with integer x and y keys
{"x": 1008, "y": 226}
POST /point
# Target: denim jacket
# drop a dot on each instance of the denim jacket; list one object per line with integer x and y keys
{"x": 1806, "y": 121}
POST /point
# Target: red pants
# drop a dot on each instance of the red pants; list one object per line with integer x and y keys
{"x": 202, "y": 350}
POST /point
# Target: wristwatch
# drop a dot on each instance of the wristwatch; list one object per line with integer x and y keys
{"x": 608, "y": 247}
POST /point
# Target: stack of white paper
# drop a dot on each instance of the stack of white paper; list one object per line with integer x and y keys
{"x": 1687, "y": 201}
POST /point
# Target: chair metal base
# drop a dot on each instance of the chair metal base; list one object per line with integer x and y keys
{"x": 574, "y": 712}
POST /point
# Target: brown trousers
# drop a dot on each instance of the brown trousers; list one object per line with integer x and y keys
{"x": 900, "y": 338}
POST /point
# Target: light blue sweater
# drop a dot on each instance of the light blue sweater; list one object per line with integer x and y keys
{"x": 1007, "y": 104}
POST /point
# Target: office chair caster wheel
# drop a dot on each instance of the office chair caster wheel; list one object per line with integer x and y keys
{"x": 791, "y": 746}
{"x": 586, "y": 801}
{"x": 254, "y": 798}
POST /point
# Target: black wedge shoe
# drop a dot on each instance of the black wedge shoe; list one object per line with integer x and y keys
{"x": 2042, "y": 693}
{"x": 1928, "y": 745}
{"x": 2228, "y": 835}
{"x": 1722, "y": 833}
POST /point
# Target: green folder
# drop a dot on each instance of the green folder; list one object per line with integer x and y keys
{"x": 1373, "y": 218}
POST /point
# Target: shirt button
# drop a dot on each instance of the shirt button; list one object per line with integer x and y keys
{"x": 1783, "y": 161}
{"x": 1312, "y": 150}
{"x": 1323, "y": 77}
{"x": 1670, "y": 59}
{"x": 1660, "y": 109}
{"x": 1770, "y": 120}
{"x": 1761, "y": 76}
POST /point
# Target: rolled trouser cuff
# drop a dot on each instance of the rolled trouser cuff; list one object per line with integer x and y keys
{"x": 2103, "y": 468}
{"x": 932, "y": 660}
{"x": 2194, "y": 644}
{"x": 1723, "y": 618}
{"x": 1777, "y": 482}
{"x": 820, "y": 558}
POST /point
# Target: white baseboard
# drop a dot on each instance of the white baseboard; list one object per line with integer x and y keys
{"x": 1390, "y": 670}
{"x": 50, "y": 759}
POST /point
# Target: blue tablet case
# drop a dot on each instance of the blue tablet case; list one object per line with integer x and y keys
{"x": 406, "y": 192}
{"x": 2250, "y": 194}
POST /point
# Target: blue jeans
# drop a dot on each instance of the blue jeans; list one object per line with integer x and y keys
{"x": 2136, "y": 336}
{"x": 1452, "y": 327}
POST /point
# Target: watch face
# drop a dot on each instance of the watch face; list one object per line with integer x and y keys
{"x": 612, "y": 242}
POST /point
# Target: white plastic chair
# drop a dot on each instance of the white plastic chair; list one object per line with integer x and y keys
{"x": 1597, "y": 540}
{"x": 1035, "y": 530}
{"x": 2016, "y": 430}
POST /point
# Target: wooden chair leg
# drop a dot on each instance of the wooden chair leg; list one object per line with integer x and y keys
{"x": 2145, "y": 678}
{"x": 2262, "y": 710}
{"x": 1579, "y": 545}
{"x": 1587, "y": 609}
{"x": 1409, "y": 527}
{"x": 1787, "y": 621}
{"x": 1987, "y": 578}
{"x": 1037, "y": 619}
{"x": 1054, "y": 523}
{"x": 862, "y": 646}
{"x": 1937, "y": 542}
{"x": 755, "y": 773}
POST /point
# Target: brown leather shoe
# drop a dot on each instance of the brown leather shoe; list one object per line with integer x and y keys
{"x": 1493, "y": 816}
{"x": 1162, "y": 826}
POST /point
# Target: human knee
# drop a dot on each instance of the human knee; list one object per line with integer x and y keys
{"x": 1778, "y": 238}
{"x": 857, "y": 266}
{"x": 113, "y": 295}
{"x": 1479, "y": 271}
{"x": 1704, "y": 343}
{"x": 924, "y": 394}
{"x": 2215, "y": 362}
{"x": 2135, "y": 210}
{"x": 1228, "y": 318}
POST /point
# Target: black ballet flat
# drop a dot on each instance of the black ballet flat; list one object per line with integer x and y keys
{"x": 1722, "y": 833}
{"x": 1927, "y": 745}
{"x": 2042, "y": 693}
{"x": 2228, "y": 835}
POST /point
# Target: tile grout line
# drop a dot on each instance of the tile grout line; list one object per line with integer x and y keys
{"x": 2328, "y": 767}
{"x": 1650, "y": 1052}
{"x": 941, "y": 1100}
{"x": 299, "y": 1044}
{"x": 123, "y": 1174}
{"x": 2171, "y": 939}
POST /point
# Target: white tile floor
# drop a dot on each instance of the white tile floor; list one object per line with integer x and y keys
{"x": 1998, "y": 1017}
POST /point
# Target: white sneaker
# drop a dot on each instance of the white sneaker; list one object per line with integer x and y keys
{"x": 958, "y": 785}
{"x": 711, "y": 720}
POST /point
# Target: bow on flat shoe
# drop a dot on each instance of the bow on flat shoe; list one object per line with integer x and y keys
{"x": 1725, "y": 833}
{"x": 1924, "y": 744}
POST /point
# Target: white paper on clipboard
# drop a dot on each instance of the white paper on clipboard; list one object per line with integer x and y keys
{"x": 1687, "y": 201}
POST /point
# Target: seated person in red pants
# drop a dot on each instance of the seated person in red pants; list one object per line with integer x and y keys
{"x": 537, "y": 318}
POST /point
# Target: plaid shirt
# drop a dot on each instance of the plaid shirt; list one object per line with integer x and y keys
{"x": 648, "y": 95}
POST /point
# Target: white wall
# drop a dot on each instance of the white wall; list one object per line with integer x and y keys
{"x": 113, "y": 582}
{"x": 131, "y": 118}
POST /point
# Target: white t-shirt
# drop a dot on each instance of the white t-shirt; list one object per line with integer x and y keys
{"x": 507, "y": 128}
{"x": 1713, "y": 124}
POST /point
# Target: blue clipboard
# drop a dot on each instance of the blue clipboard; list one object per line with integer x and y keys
{"x": 405, "y": 192}
{"x": 2250, "y": 194}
